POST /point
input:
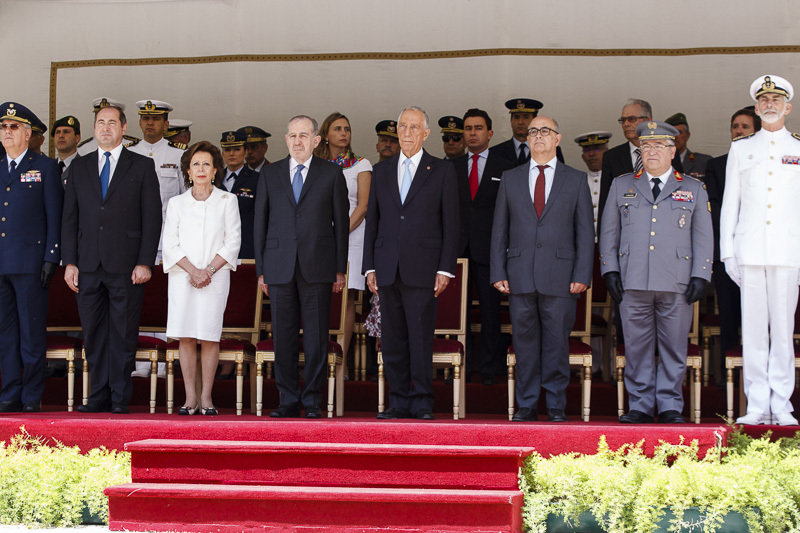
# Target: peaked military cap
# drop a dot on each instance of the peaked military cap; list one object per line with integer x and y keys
{"x": 231, "y": 139}
{"x": 677, "y": 119}
{"x": 524, "y": 105}
{"x": 153, "y": 107}
{"x": 100, "y": 103}
{"x": 593, "y": 138}
{"x": 254, "y": 134}
{"x": 176, "y": 126}
{"x": 771, "y": 84}
{"x": 387, "y": 127}
{"x": 19, "y": 113}
{"x": 652, "y": 130}
{"x": 451, "y": 124}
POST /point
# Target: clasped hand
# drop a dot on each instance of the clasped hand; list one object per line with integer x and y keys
{"x": 200, "y": 278}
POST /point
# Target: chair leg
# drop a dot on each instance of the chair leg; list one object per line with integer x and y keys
{"x": 462, "y": 404}
{"x": 253, "y": 377}
{"x": 511, "y": 392}
{"x": 363, "y": 343}
{"x": 332, "y": 385}
{"x": 620, "y": 392}
{"x": 381, "y": 388}
{"x": 86, "y": 382}
{"x": 170, "y": 386}
{"x": 153, "y": 385}
{"x": 239, "y": 388}
{"x": 742, "y": 397}
{"x": 259, "y": 389}
{"x": 706, "y": 359}
{"x": 729, "y": 390}
{"x": 269, "y": 370}
{"x": 70, "y": 384}
{"x": 339, "y": 390}
{"x": 456, "y": 391}
{"x": 697, "y": 390}
{"x": 586, "y": 394}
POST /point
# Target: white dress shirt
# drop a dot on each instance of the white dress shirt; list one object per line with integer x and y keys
{"x": 101, "y": 160}
{"x": 481, "y": 163}
{"x": 549, "y": 172}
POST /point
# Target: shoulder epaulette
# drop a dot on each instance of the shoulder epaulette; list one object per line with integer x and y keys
{"x": 179, "y": 146}
{"x": 678, "y": 175}
{"x": 796, "y": 136}
{"x": 744, "y": 137}
{"x": 638, "y": 174}
{"x": 84, "y": 142}
{"x": 131, "y": 143}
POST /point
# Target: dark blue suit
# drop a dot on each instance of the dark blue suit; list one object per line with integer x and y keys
{"x": 244, "y": 187}
{"x": 30, "y": 232}
{"x": 406, "y": 243}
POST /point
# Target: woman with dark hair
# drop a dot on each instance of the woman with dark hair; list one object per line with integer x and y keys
{"x": 202, "y": 236}
{"x": 336, "y": 147}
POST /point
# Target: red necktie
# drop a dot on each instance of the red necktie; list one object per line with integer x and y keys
{"x": 473, "y": 176}
{"x": 538, "y": 191}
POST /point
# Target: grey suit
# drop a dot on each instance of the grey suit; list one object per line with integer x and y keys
{"x": 694, "y": 164}
{"x": 657, "y": 246}
{"x": 540, "y": 257}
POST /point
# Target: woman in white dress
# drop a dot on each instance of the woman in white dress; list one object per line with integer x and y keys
{"x": 335, "y": 146}
{"x": 202, "y": 235}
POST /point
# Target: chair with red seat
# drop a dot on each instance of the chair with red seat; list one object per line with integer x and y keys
{"x": 580, "y": 355}
{"x": 153, "y": 319}
{"x": 602, "y": 323}
{"x": 448, "y": 352}
{"x": 62, "y": 317}
{"x": 265, "y": 356}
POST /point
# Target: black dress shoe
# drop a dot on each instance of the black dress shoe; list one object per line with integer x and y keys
{"x": 188, "y": 411}
{"x": 32, "y": 407}
{"x": 393, "y": 413}
{"x": 286, "y": 411}
{"x": 556, "y": 415}
{"x": 95, "y": 407}
{"x": 209, "y": 411}
{"x": 635, "y": 417}
{"x": 120, "y": 410}
{"x": 425, "y": 414}
{"x": 670, "y": 417}
{"x": 10, "y": 407}
{"x": 525, "y": 414}
{"x": 313, "y": 412}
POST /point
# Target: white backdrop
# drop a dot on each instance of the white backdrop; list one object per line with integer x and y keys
{"x": 576, "y": 67}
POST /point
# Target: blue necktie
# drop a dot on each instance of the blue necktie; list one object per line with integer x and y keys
{"x": 297, "y": 182}
{"x": 406, "y": 183}
{"x": 104, "y": 174}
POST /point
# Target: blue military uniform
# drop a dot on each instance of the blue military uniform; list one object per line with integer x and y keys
{"x": 31, "y": 199}
{"x": 658, "y": 247}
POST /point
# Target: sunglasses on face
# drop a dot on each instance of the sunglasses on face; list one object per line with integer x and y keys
{"x": 454, "y": 138}
{"x": 12, "y": 127}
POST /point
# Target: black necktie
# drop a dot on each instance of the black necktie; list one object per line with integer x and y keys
{"x": 656, "y": 188}
{"x": 232, "y": 179}
{"x": 13, "y": 168}
{"x": 61, "y": 166}
{"x": 523, "y": 158}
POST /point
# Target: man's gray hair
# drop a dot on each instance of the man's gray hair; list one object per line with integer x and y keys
{"x": 645, "y": 105}
{"x": 415, "y": 108}
{"x": 314, "y": 125}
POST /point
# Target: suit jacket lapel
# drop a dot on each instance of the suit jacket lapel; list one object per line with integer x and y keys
{"x": 643, "y": 186}
{"x": 285, "y": 179}
{"x": 394, "y": 186}
{"x": 93, "y": 161}
{"x": 671, "y": 186}
{"x": 555, "y": 187}
{"x": 314, "y": 171}
{"x": 25, "y": 164}
{"x": 4, "y": 175}
{"x": 121, "y": 169}
{"x": 426, "y": 164}
{"x": 488, "y": 174}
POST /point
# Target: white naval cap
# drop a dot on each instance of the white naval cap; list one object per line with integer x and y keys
{"x": 153, "y": 107}
{"x": 176, "y": 126}
{"x": 769, "y": 83}
{"x": 100, "y": 103}
{"x": 593, "y": 138}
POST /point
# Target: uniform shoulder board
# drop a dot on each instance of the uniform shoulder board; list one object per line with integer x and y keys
{"x": 638, "y": 174}
{"x": 796, "y": 136}
{"x": 743, "y": 137}
{"x": 84, "y": 142}
{"x": 131, "y": 138}
{"x": 179, "y": 146}
{"x": 131, "y": 143}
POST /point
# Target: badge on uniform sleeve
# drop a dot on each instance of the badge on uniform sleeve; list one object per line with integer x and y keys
{"x": 31, "y": 176}
{"x": 682, "y": 196}
{"x": 791, "y": 160}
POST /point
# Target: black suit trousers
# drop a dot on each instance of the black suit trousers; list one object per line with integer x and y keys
{"x": 408, "y": 320}
{"x": 492, "y": 356}
{"x": 287, "y": 302}
{"x": 729, "y": 301}
{"x": 542, "y": 325}
{"x": 110, "y": 307}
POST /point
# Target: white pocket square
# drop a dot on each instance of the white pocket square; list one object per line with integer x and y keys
{"x": 495, "y": 179}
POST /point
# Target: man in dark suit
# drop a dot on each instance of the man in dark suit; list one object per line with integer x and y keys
{"x": 626, "y": 158}
{"x": 30, "y": 232}
{"x": 522, "y": 111}
{"x": 744, "y": 122}
{"x": 541, "y": 256}
{"x": 301, "y": 234}
{"x": 110, "y": 231}
{"x": 242, "y": 181}
{"x": 410, "y": 252}
{"x": 478, "y": 174}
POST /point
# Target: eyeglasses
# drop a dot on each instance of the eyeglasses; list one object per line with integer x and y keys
{"x": 533, "y": 132}
{"x": 623, "y": 120}
{"x": 454, "y": 138}
{"x": 12, "y": 127}
{"x": 660, "y": 147}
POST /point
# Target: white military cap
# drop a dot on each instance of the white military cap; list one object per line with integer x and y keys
{"x": 153, "y": 107}
{"x": 100, "y": 103}
{"x": 771, "y": 84}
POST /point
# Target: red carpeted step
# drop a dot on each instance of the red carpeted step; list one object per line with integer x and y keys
{"x": 326, "y": 464}
{"x": 175, "y": 507}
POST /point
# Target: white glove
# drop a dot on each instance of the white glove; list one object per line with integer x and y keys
{"x": 732, "y": 269}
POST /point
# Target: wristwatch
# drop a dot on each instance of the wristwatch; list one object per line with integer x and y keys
{"x": 212, "y": 269}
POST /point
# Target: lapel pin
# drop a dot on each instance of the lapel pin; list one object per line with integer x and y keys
{"x": 429, "y": 167}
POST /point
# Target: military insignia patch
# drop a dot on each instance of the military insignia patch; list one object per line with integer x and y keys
{"x": 31, "y": 176}
{"x": 678, "y": 176}
{"x": 683, "y": 196}
{"x": 795, "y": 135}
{"x": 790, "y": 160}
{"x": 638, "y": 174}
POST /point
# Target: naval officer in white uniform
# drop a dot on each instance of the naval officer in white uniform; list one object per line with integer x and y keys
{"x": 760, "y": 246}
